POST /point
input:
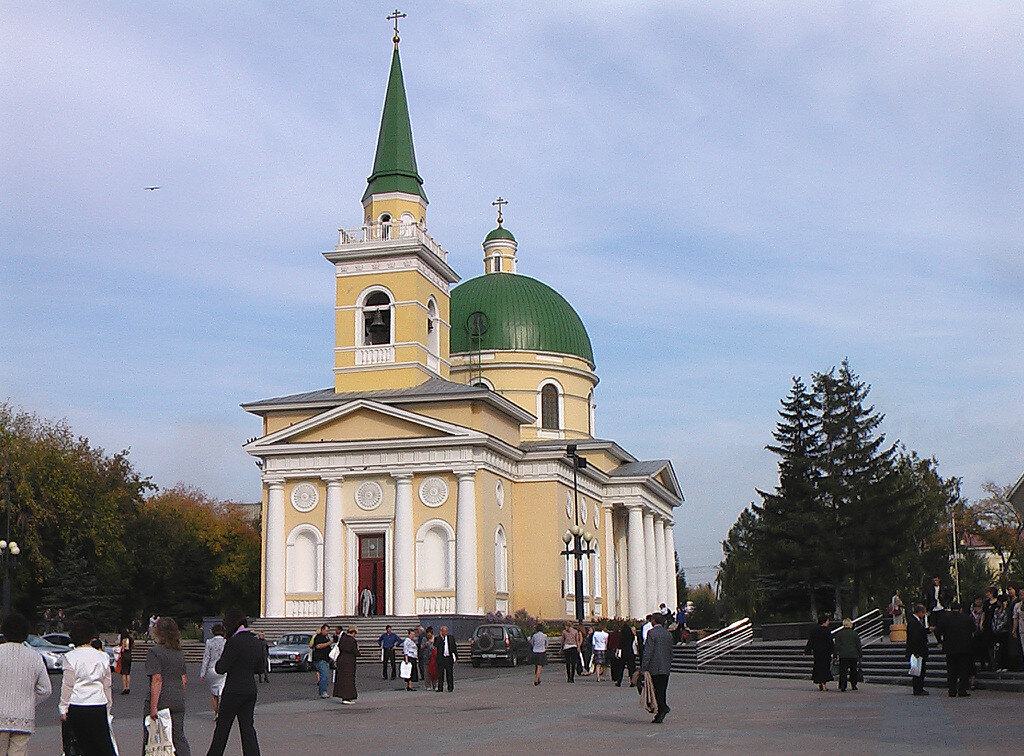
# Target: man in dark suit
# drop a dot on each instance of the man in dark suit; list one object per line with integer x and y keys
{"x": 956, "y": 633}
{"x": 447, "y": 654}
{"x": 936, "y": 600}
{"x": 657, "y": 660}
{"x": 917, "y": 645}
{"x": 243, "y": 658}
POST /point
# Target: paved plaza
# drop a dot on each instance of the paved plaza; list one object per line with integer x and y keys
{"x": 500, "y": 711}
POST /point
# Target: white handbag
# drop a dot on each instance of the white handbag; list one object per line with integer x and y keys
{"x": 915, "y": 666}
{"x": 335, "y": 652}
{"x": 405, "y": 670}
{"x": 159, "y": 742}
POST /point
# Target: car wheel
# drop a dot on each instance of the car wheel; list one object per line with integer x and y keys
{"x": 306, "y": 666}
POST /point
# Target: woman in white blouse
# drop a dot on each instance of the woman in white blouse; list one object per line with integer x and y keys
{"x": 410, "y": 648}
{"x": 85, "y": 693}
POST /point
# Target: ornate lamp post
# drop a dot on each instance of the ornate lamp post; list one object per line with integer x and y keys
{"x": 8, "y": 562}
{"x": 575, "y": 535}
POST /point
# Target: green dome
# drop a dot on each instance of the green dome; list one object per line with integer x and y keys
{"x": 499, "y": 233}
{"x": 521, "y": 313}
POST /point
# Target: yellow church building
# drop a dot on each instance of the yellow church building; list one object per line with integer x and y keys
{"x": 434, "y": 472}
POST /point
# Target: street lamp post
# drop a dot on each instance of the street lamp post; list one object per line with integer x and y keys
{"x": 575, "y": 535}
{"x": 8, "y": 562}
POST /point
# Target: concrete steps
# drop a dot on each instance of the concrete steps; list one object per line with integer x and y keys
{"x": 882, "y": 663}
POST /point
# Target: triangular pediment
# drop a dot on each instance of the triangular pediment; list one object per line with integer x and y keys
{"x": 360, "y": 421}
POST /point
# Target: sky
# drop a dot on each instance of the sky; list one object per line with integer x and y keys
{"x": 730, "y": 195}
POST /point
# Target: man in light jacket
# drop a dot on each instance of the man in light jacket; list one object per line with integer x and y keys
{"x": 657, "y": 661}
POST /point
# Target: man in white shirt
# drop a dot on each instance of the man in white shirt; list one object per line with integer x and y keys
{"x": 646, "y": 628}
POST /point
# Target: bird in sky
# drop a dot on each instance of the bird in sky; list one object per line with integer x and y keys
{"x": 151, "y": 188}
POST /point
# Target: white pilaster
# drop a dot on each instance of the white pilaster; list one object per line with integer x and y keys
{"x": 670, "y": 566}
{"x": 635, "y": 557}
{"x": 611, "y": 595}
{"x": 274, "y": 567}
{"x": 404, "y": 577}
{"x": 465, "y": 545}
{"x": 334, "y": 550}
{"x": 659, "y": 560}
{"x": 650, "y": 559}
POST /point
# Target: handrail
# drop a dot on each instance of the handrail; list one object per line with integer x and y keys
{"x": 868, "y": 626}
{"x": 718, "y": 644}
{"x": 386, "y": 231}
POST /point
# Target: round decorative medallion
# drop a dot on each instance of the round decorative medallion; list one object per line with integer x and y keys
{"x": 433, "y": 491}
{"x": 305, "y": 497}
{"x": 499, "y": 494}
{"x": 369, "y": 495}
{"x": 568, "y": 504}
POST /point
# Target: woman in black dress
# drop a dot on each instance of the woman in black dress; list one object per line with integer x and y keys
{"x": 345, "y": 674}
{"x": 820, "y": 646}
{"x": 124, "y": 660}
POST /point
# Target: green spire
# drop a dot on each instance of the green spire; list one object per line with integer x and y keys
{"x": 394, "y": 167}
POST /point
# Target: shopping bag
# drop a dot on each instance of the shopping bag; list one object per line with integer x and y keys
{"x": 647, "y": 698}
{"x": 335, "y": 652}
{"x": 405, "y": 670}
{"x": 915, "y": 666}
{"x": 159, "y": 742}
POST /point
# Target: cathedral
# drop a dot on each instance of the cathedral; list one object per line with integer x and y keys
{"x": 442, "y": 473}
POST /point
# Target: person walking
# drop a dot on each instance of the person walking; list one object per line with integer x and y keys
{"x": 599, "y": 640}
{"x": 345, "y": 674}
{"x": 447, "y": 654}
{"x": 366, "y": 601}
{"x": 587, "y": 651}
{"x": 917, "y": 645}
{"x": 321, "y": 645}
{"x": 820, "y": 647}
{"x": 85, "y": 698}
{"x": 614, "y": 655}
{"x": 125, "y": 646}
{"x": 629, "y": 646}
{"x": 165, "y": 666}
{"x": 265, "y": 672}
{"x": 848, "y": 649}
{"x": 410, "y": 656}
{"x": 539, "y": 647}
{"x": 23, "y": 684}
{"x": 242, "y": 659}
{"x": 425, "y": 645}
{"x": 387, "y": 641}
{"x": 956, "y": 634}
{"x": 657, "y": 661}
{"x": 571, "y": 650}
{"x": 211, "y": 653}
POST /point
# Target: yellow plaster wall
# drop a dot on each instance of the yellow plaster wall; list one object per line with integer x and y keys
{"x": 275, "y": 421}
{"x": 395, "y": 207}
{"x": 535, "y": 562}
{"x": 488, "y": 517}
{"x": 351, "y": 511}
{"x": 422, "y": 513}
{"x": 475, "y": 415}
{"x": 365, "y": 424}
{"x": 293, "y": 517}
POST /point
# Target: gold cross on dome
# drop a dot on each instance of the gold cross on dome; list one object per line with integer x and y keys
{"x": 499, "y": 203}
{"x": 394, "y": 17}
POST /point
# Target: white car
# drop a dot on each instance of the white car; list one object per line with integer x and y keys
{"x": 53, "y": 654}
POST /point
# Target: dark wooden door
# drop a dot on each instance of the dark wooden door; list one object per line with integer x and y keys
{"x": 371, "y": 570}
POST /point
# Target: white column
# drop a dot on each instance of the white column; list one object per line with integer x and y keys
{"x": 650, "y": 557}
{"x": 274, "y": 567}
{"x": 659, "y": 560}
{"x": 670, "y": 567}
{"x": 465, "y": 545}
{"x": 403, "y": 574}
{"x": 610, "y": 594}
{"x": 635, "y": 557}
{"x": 334, "y": 550}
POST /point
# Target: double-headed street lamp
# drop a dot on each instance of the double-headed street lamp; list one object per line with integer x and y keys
{"x": 8, "y": 562}
{"x": 575, "y": 535}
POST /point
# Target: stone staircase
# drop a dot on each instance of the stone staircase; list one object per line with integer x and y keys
{"x": 883, "y": 663}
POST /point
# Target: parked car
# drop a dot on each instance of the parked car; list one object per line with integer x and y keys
{"x": 292, "y": 651}
{"x": 63, "y": 639}
{"x": 494, "y": 643}
{"x": 52, "y": 653}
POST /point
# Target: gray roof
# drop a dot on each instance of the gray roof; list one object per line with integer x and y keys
{"x": 643, "y": 468}
{"x": 433, "y": 389}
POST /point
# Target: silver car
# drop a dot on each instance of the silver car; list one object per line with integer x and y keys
{"x": 292, "y": 651}
{"x": 52, "y": 654}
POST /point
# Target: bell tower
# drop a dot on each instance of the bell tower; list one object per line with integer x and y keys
{"x": 392, "y": 302}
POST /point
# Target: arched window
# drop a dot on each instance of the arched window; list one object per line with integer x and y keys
{"x": 304, "y": 560}
{"x": 482, "y": 383}
{"x": 435, "y": 556}
{"x": 385, "y": 226}
{"x": 406, "y": 223}
{"x": 500, "y": 561}
{"x": 433, "y": 336}
{"x": 376, "y": 318}
{"x": 595, "y": 560}
{"x": 550, "y": 418}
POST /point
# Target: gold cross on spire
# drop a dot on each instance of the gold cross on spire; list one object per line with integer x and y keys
{"x": 498, "y": 203}
{"x": 394, "y": 17}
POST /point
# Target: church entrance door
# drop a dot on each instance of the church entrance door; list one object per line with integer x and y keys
{"x": 371, "y": 571}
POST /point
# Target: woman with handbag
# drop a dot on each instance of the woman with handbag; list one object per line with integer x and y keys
{"x": 165, "y": 665}
{"x": 345, "y": 653}
{"x": 410, "y": 651}
{"x": 124, "y": 660}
